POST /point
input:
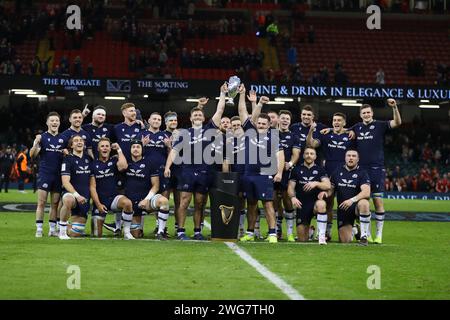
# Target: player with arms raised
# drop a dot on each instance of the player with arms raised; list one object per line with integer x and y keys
{"x": 370, "y": 146}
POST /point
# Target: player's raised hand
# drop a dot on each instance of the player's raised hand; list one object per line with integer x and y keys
{"x": 252, "y": 96}
{"x": 141, "y": 123}
{"x": 224, "y": 88}
{"x": 65, "y": 152}
{"x": 37, "y": 140}
{"x": 313, "y": 126}
{"x": 264, "y": 100}
{"x": 86, "y": 110}
{"x": 241, "y": 89}
{"x": 202, "y": 101}
{"x": 392, "y": 103}
{"x": 296, "y": 203}
{"x": 115, "y": 146}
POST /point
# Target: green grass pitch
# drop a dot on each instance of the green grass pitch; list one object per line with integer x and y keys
{"x": 414, "y": 263}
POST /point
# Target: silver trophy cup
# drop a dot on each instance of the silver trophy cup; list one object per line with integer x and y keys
{"x": 233, "y": 88}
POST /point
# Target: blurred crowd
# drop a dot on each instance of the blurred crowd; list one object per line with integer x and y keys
{"x": 423, "y": 163}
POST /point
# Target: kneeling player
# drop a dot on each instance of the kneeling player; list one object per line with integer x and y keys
{"x": 103, "y": 186}
{"x": 141, "y": 187}
{"x": 75, "y": 175}
{"x": 352, "y": 187}
{"x": 307, "y": 187}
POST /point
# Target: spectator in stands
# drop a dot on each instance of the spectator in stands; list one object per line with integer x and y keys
{"x": 43, "y": 66}
{"x": 34, "y": 66}
{"x": 272, "y": 32}
{"x": 132, "y": 62}
{"x": 185, "y": 58}
{"x": 77, "y": 67}
{"x": 64, "y": 64}
{"x": 414, "y": 184}
{"x": 379, "y": 77}
{"x": 292, "y": 55}
{"x": 191, "y": 9}
{"x": 437, "y": 156}
{"x": 427, "y": 154}
{"x": 388, "y": 185}
{"x": 442, "y": 74}
{"x": 323, "y": 75}
{"x": 18, "y": 66}
{"x": 443, "y": 184}
{"x": 400, "y": 185}
{"x": 397, "y": 173}
{"x": 90, "y": 70}
{"x": 315, "y": 79}
{"x": 6, "y": 67}
{"x": 311, "y": 34}
{"x": 163, "y": 58}
{"x": 340, "y": 78}
{"x": 297, "y": 74}
{"x": 57, "y": 71}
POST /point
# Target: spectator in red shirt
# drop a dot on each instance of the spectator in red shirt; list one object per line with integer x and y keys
{"x": 427, "y": 154}
{"x": 414, "y": 183}
{"x": 443, "y": 184}
{"x": 425, "y": 173}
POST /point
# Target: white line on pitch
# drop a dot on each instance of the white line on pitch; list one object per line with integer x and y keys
{"x": 266, "y": 273}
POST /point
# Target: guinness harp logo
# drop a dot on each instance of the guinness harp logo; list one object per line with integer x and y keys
{"x": 227, "y": 213}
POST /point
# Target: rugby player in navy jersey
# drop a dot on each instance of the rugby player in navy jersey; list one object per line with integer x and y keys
{"x": 301, "y": 128}
{"x": 76, "y": 119}
{"x": 370, "y": 146}
{"x": 128, "y": 130}
{"x": 274, "y": 119}
{"x": 243, "y": 115}
{"x": 334, "y": 144}
{"x": 352, "y": 187}
{"x": 308, "y": 186}
{"x": 103, "y": 186}
{"x": 168, "y": 185}
{"x": 195, "y": 178}
{"x": 234, "y": 161}
{"x": 156, "y": 146}
{"x": 291, "y": 148}
{"x": 264, "y": 163}
{"x": 76, "y": 171}
{"x": 98, "y": 129}
{"x": 225, "y": 124}
{"x": 141, "y": 187}
{"x": 48, "y": 146}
